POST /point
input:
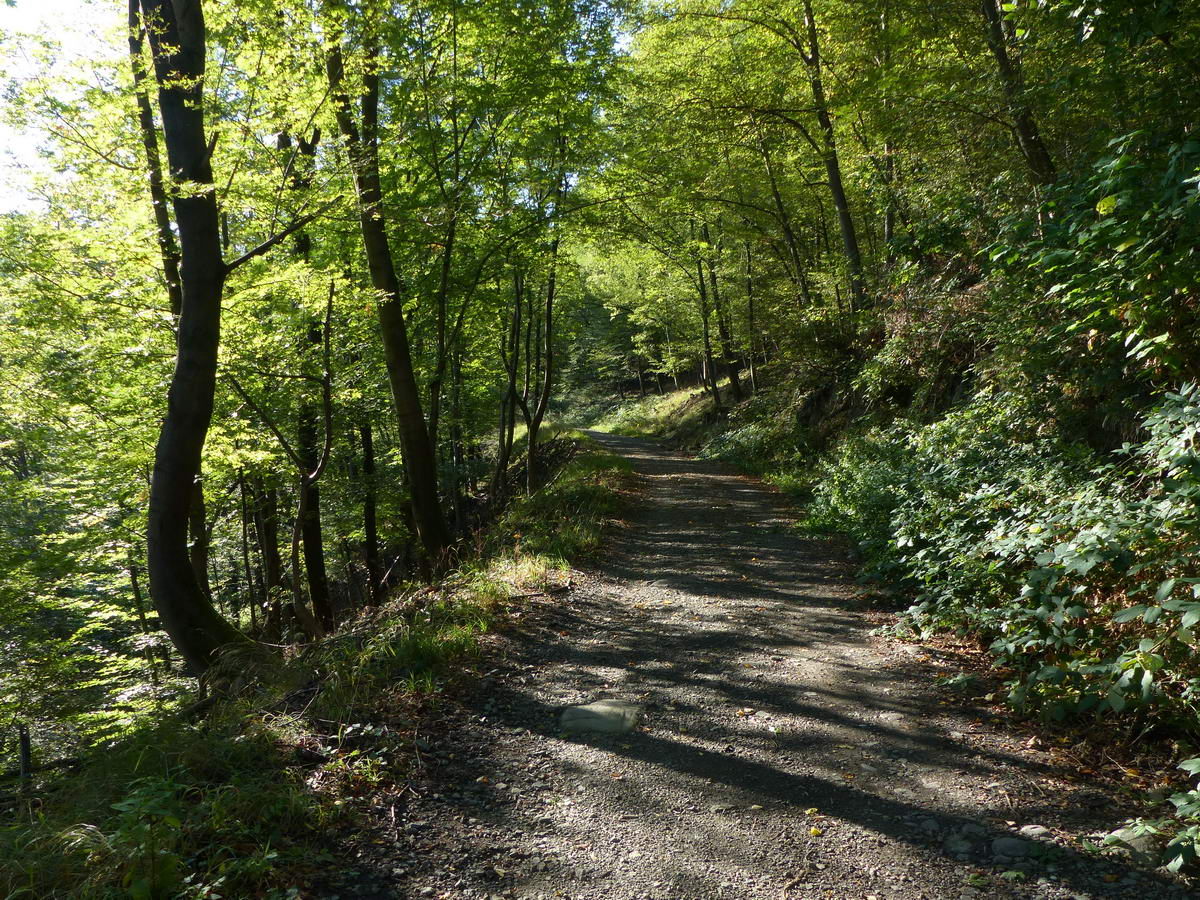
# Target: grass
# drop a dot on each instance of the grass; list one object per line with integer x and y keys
{"x": 682, "y": 417}
{"x": 248, "y": 802}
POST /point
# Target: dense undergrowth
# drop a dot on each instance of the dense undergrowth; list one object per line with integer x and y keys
{"x": 244, "y": 801}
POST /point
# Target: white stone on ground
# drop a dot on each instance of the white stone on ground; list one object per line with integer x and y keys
{"x": 603, "y": 716}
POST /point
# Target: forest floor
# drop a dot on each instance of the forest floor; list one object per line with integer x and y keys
{"x": 785, "y": 749}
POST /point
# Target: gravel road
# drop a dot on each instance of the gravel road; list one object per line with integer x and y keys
{"x": 784, "y": 750}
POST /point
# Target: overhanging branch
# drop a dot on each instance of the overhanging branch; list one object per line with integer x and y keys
{"x": 276, "y": 238}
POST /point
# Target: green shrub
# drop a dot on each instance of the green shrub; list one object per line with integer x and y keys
{"x": 1082, "y": 573}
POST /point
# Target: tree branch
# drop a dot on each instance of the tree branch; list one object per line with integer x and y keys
{"x": 270, "y": 423}
{"x": 276, "y": 238}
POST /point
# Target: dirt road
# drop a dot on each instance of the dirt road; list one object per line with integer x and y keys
{"x": 784, "y": 750}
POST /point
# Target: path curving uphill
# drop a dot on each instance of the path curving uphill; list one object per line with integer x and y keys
{"x": 781, "y": 750}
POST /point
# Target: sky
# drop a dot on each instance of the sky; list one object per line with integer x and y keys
{"x": 80, "y": 27}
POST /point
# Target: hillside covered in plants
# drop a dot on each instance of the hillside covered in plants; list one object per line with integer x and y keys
{"x": 300, "y": 302}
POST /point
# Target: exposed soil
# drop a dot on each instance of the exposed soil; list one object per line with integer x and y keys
{"x": 785, "y": 750}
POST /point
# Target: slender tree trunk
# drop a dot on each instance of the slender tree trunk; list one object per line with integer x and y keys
{"x": 532, "y": 473}
{"x": 457, "y": 449}
{"x": 723, "y": 326}
{"x": 362, "y": 143}
{"x": 708, "y": 373}
{"x": 751, "y": 325}
{"x": 140, "y": 607}
{"x": 510, "y": 354}
{"x": 370, "y": 519}
{"x": 301, "y": 166}
{"x": 785, "y": 219}
{"x": 167, "y": 246}
{"x": 266, "y": 526}
{"x": 177, "y": 39}
{"x": 311, "y": 533}
{"x": 443, "y": 291}
{"x": 198, "y": 536}
{"x": 251, "y": 592}
{"x": 1012, "y": 81}
{"x": 833, "y": 168}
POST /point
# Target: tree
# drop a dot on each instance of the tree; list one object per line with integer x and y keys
{"x": 361, "y": 137}
{"x": 177, "y": 41}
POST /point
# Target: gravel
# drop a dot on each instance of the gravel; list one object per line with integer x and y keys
{"x": 784, "y": 750}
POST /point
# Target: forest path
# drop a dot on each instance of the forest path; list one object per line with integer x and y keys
{"x": 784, "y": 751}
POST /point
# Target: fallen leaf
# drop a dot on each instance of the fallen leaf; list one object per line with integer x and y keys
{"x": 815, "y": 831}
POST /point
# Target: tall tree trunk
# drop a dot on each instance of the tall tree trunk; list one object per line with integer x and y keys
{"x": 198, "y": 536}
{"x": 443, "y": 291}
{"x": 362, "y": 144}
{"x": 310, "y": 409}
{"x": 785, "y": 219}
{"x": 751, "y": 325}
{"x": 267, "y": 527}
{"x": 708, "y": 372}
{"x": 311, "y": 534}
{"x": 723, "y": 325}
{"x": 251, "y": 593}
{"x": 510, "y": 349}
{"x": 167, "y": 247}
{"x": 177, "y": 40}
{"x": 457, "y": 449}
{"x": 370, "y": 519}
{"x": 1012, "y": 81}
{"x": 534, "y": 421}
{"x": 140, "y": 608}
{"x": 833, "y": 168}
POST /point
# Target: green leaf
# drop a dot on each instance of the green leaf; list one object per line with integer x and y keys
{"x": 1116, "y": 699}
{"x": 1128, "y": 615}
